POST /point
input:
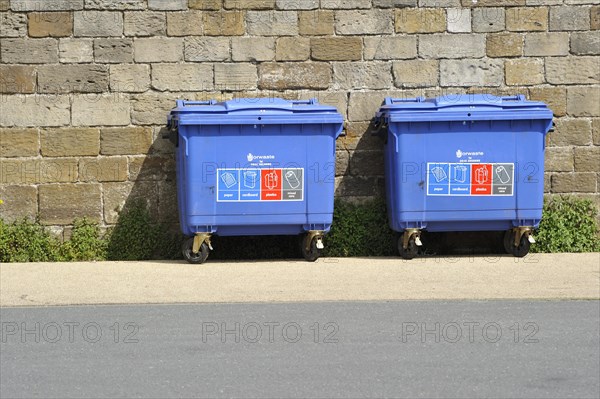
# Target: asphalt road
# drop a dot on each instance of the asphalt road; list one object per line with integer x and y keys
{"x": 462, "y": 349}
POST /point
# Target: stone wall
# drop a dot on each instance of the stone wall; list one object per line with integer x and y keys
{"x": 86, "y": 84}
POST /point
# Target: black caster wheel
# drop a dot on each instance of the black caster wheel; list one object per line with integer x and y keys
{"x": 411, "y": 251}
{"x": 191, "y": 257}
{"x": 523, "y": 248}
{"x": 508, "y": 241}
{"x": 313, "y": 252}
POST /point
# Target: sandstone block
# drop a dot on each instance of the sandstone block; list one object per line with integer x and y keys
{"x": 13, "y": 25}
{"x": 458, "y": 20}
{"x": 362, "y": 75}
{"x": 583, "y": 101}
{"x": 396, "y": 3}
{"x": 363, "y": 22}
{"x": 390, "y": 48}
{"x": 180, "y": 77}
{"x": 103, "y": 169}
{"x": 272, "y": 23}
{"x": 559, "y": 159}
{"x": 101, "y": 110}
{"x": 142, "y": 168}
{"x": 18, "y": 143}
{"x": 595, "y": 17}
{"x": 486, "y": 19}
{"x": 555, "y": 97}
{"x": 587, "y": 159}
{"x": 113, "y": 51}
{"x": 36, "y": 171}
{"x": 345, "y": 4}
{"x": 224, "y": 23}
{"x": 17, "y": 79}
{"x": 168, "y": 5}
{"x": 596, "y": 131}
{"x": 252, "y": 49}
{"x": 54, "y": 24}
{"x": 452, "y": 46}
{"x": 504, "y": 45}
{"x": 35, "y": 110}
{"x": 572, "y": 70}
{"x": 54, "y": 5}
{"x": 471, "y": 72}
{"x": 362, "y": 106}
{"x": 76, "y": 50}
{"x": 292, "y": 49}
{"x": 336, "y": 48}
{"x": 546, "y": 44}
{"x": 570, "y": 131}
{"x": 145, "y": 23}
{"x": 118, "y": 196}
{"x": 188, "y": 23}
{"x": 62, "y": 203}
{"x": 125, "y": 141}
{"x": 277, "y": 76}
{"x": 493, "y": 3}
{"x": 158, "y": 49}
{"x": 129, "y": 78}
{"x": 152, "y": 108}
{"x": 522, "y": 19}
{"x": 569, "y": 18}
{"x": 416, "y": 73}
{"x": 367, "y": 163}
{"x": 123, "y": 5}
{"x": 420, "y": 20}
{"x": 249, "y": 4}
{"x": 205, "y": 4}
{"x": 585, "y": 43}
{"x": 73, "y": 78}
{"x": 524, "y": 72}
{"x": 98, "y": 23}
{"x": 574, "y": 183}
{"x": 207, "y": 49}
{"x": 70, "y": 142}
{"x": 297, "y": 4}
{"x": 19, "y": 202}
{"x": 29, "y": 51}
{"x": 316, "y": 23}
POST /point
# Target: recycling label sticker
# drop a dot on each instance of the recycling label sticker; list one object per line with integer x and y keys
{"x": 460, "y": 179}
{"x": 248, "y": 185}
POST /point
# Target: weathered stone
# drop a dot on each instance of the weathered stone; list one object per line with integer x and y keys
{"x": 583, "y": 101}
{"x": 35, "y": 110}
{"x": 207, "y": 49}
{"x": 253, "y": 49}
{"x": 555, "y": 97}
{"x": 19, "y": 202}
{"x": 292, "y": 49}
{"x": 158, "y": 49}
{"x": 559, "y": 159}
{"x": 104, "y": 169}
{"x": 18, "y": 143}
{"x": 362, "y": 75}
{"x": 167, "y": 198}
{"x": 62, "y": 203}
{"x": 595, "y": 17}
{"x": 145, "y": 23}
{"x": 585, "y": 43}
{"x": 205, "y": 4}
{"x": 486, "y": 19}
{"x": 129, "y": 78}
{"x": 101, "y": 110}
{"x": 569, "y": 18}
{"x": 362, "y": 106}
{"x": 504, "y": 45}
{"x": 98, "y": 23}
{"x": 316, "y": 23}
{"x": 522, "y": 19}
{"x": 113, "y": 51}
{"x": 420, "y": 20}
{"x": 524, "y": 72}
{"x": 188, "y": 23}
{"x": 224, "y": 23}
{"x": 390, "y": 48}
{"x": 458, "y": 45}
{"x": 336, "y": 48}
{"x": 569, "y": 131}
{"x": 70, "y": 142}
{"x": 272, "y": 23}
{"x": 38, "y": 5}
{"x": 4, "y": 5}
{"x": 439, "y": 3}
{"x": 359, "y": 137}
{"x": 168, "y": 5}
{"x": 596, "y": 131}
{"x": 119, "y": 197}
{"x": 180, "y": 77}
{"x": 125, "y": 141}
{"x": 356, "y": 186}
{"x": 73, "y": 78}
{"x": 151, "y": 168}
{"x": 13, "y": 25}
{"x": 17, "y": 79}
{"x": 76, "y": 50}
{"x": 54, "y": 24}
{"x": 367, "y": 163}
{"x": 151, "y": 108}
{"x": 572, "y": 70}
{"x": 492, "y": 3}
{"x": 338, "y": 99}
{"x": 115, "y": 5}
{"x": 574, "y": 183}
{"x": 36, "y": 171}
{"x": 249, "y": 4}
{"x": 297, "y": 4}
{"x": 546, "y": 44}
{"x": 29, "y": 51}
{"x": 416, "y": 73}
{"x": 277, "y": 76}
{"x": 587, "y": 159}
{"x": 364, "y": 22}
{"x": 470, "y": 72}
{"x": 345, "y": 4}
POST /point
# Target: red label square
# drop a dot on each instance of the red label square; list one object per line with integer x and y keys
{"x": 478, "y": 189}
{"x": 481, "y": 174}
{"x": 270, "y": 195}
{"x": 271, "y": 184}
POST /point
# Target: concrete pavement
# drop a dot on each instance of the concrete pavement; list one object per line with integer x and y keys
{"x": 537, "y": 276}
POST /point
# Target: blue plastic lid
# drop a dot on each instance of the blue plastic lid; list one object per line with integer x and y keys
{"x": 463, "y": 107}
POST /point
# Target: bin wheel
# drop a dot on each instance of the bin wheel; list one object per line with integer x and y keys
{"x": 313, "y": 253}
{"x": 509, "y": 237}
{"x": 191, "y": 257}
{"x": 411, "y": 251}
{"x": 523, "y": 248}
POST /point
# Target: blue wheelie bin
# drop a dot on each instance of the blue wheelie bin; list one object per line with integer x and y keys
{"x": 464, "y": 163}
{"x": 254, "y": 167}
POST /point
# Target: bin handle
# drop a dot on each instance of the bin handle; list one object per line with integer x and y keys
{"x": 311, "y": 101}
{"x": 391, "y": 100}
{"x": 518, "y": 97}
{"x": 185, "y": 103}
